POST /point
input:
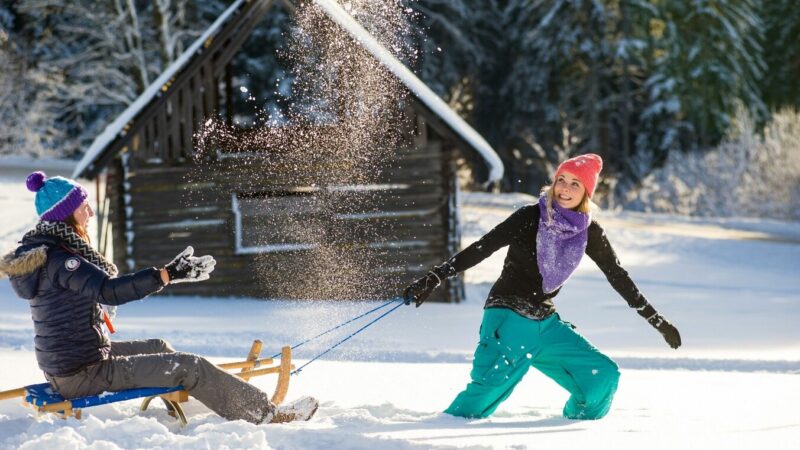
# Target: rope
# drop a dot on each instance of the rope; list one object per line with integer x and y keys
{"x": 352, "y": 334}
{"x": 340, "y": 325}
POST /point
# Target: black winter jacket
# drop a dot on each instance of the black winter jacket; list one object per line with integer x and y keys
{"x": 520, "y": 284}
{"x": 64, "y": 291}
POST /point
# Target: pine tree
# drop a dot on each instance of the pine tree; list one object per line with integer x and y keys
{"x": 706, "y": 61}
{"x": 451, "y": 47}
{"x": 514, "y": 109}
{"x": 561, "y": 95}
{"x": 781, "y": 44}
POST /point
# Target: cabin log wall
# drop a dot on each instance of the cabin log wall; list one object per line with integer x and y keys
{"x": 175, "y": 205}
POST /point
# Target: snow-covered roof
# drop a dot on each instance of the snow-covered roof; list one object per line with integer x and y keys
{"x": 117, "y": 127}
{"x": 415, "y": 85}
{"x": 362, "y": 37}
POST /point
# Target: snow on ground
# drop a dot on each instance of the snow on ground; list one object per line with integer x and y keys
{"x": 731, "y": 286}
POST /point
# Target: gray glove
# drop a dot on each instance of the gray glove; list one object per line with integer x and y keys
{"x": 186, "y": 268}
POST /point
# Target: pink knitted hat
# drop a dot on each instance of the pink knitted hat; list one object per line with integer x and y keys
{"x": 586, "y": 167}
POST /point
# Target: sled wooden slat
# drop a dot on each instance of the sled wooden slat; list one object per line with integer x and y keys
{"x": 245, "y": 364}
{"x": 255, "y": 350}
{"x": 13, "y": 393}
{"x": 255, "y": 373}
{"x": 56, "y": 407}
{"x": 286, "y": 368}
{"x": 43, "y": 399}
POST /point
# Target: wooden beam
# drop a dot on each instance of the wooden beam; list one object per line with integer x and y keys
{"x": 245, "y": 364}
{"x": 286, "y": 368}
{"x": 187, "y": 122}
{"x": 162, "y": 133}
{"x": 13, "y": 393}
{"x": 255, "y": 350}
{"x": 55, "y": 407}
{"x": 438, "y": 124}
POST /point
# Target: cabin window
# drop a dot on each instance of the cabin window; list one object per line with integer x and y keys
{"x": 273, "y": 221}
{"x": 372, "y": 216}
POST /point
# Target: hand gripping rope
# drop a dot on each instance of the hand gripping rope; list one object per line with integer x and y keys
{"x": 401, "y": 303}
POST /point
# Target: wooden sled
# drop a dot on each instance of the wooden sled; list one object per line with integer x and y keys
{"x": 43, "y": 399}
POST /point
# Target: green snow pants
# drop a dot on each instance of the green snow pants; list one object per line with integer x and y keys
{"x": 510, "y": 344}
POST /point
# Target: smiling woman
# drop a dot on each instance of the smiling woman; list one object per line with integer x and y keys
{"x": 576, "y": 179}
{"x": 520, "y": 327}
{"x": 569, "y": 191}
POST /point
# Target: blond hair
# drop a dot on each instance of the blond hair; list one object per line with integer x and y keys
{"x": 586, "y": 205}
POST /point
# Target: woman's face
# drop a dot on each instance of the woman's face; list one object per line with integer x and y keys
{"x": 568, "y": 190}
{"x": 83, "y": 214}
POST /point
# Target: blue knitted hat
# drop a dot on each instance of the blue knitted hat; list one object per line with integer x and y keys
{"x": 57, "y": 197}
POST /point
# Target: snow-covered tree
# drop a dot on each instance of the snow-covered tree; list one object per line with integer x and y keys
{"x": 631, "y": 79}
{"x": 565, "y": 85}
{"x": 782, "y": 53}
{"x": 91, "y": 59}
{"x": 170, "y": 20}
{"x": 10, "y": 104}
{"x": 754, "y": 172}
{"x": 28, "y": 124}
{"x": 706, "y": 60}
{"x": 451, "y": 46}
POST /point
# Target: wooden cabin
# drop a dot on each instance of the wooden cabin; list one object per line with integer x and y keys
{"x": 154, "y": 199}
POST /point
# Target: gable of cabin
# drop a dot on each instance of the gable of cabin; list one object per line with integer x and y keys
{"x": 158, "y": 201}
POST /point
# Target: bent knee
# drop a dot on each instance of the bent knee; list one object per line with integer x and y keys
{"x": 612, "y": 370}
{"x": 611, "y": 373}
{"x": 161, "y": 346}
{"x": 605, "y": 376}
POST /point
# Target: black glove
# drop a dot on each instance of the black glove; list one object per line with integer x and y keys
{"x": 666, "y": 329}
{"x": 420, "y": 290}
{"x": 188, "y": 268}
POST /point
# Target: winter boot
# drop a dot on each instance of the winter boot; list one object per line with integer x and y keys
{"x": 300, "y": 409}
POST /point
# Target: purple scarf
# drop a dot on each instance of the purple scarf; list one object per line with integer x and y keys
{"x": 560, "y": 243}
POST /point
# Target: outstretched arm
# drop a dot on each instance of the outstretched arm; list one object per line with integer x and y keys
{"x": 78, "y": 275}
{"x": 599, "y": 249}
{"x": 499, "y": 237}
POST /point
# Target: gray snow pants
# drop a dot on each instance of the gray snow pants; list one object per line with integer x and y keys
{"x": 154, "y": 363}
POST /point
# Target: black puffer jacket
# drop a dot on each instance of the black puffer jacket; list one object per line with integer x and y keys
{"x": 64, "y": 291}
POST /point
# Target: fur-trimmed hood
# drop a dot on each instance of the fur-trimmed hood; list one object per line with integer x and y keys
{"x": 25, "y": 263}
{"x": 22, "y": 266}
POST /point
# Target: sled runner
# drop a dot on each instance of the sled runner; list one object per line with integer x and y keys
{"x": 43, "y": 399}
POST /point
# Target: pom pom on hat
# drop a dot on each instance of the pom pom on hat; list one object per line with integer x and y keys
{"x": 56, "y": 197}
{"x": 586, "y": 167}
{"x": 35, "y": 181}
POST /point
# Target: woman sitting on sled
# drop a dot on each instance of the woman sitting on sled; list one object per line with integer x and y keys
{"x": 66, "y": 280}
{"x": 520, "y": 327}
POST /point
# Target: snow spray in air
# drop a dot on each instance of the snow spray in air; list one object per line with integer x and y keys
{"x": 308, "y": 185}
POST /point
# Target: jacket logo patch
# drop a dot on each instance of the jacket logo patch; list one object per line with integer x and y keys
{"x": 72, "y": 263}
